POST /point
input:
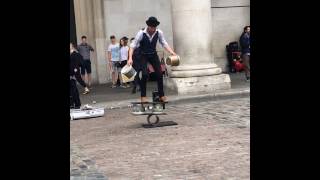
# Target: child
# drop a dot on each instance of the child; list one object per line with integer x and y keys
{"x": 114, "y": 61}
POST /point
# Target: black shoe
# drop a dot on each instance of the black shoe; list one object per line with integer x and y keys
{"x": 248, "y": 78}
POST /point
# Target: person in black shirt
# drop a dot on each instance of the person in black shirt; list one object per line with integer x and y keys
{"x": 75, "y": 61}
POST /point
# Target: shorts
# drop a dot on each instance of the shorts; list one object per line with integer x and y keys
{"x": 86, "y": 67}
{"x": 123, "y": 63}
{"x": 115, "y": 67}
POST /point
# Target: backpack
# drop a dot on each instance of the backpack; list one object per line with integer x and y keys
{"x": 233, "y": 46}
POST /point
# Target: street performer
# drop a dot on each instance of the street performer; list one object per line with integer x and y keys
{"x": 145, "y": 42}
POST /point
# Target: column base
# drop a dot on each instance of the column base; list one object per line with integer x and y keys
{"x": 198, "y": 85}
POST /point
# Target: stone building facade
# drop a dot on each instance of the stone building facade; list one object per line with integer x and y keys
{"x": 208, "y": 25}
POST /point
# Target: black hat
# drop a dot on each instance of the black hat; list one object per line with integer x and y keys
{"x": 152, "y": 21}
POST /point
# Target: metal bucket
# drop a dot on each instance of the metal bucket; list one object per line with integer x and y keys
{"x": 128, "y": 71}
{"x": 173, "y": 60}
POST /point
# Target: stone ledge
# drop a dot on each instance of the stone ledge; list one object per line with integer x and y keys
{"x": 195, "y": 73}
{"x": 199, "y": 85}
{"x": 193, "y": 67}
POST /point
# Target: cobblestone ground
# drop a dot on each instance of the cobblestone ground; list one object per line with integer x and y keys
{"x": 81, "y": 167}
{"x": 211, "y": 141}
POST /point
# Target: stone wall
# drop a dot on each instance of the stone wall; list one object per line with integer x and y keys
{"x": 228, "y": 22}
{"x": 98, "y": 19}
{"x": 126, "y": 17}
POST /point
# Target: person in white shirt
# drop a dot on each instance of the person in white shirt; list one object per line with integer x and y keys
{"x": 113, "y": 57}
{"x": 146, "y": 41}
{"x": 124, "y": 52}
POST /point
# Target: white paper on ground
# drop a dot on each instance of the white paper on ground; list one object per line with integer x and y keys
{"x": 83, "y": 114}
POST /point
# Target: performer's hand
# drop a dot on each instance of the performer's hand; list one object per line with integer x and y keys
{"x": 130, "y": 62}
{"x": 173, "y": 53}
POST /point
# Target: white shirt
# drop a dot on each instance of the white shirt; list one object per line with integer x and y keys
{"x": 136, "y": 42}
{"x": 115, "y": 51}
{"x": 124, "y": 53}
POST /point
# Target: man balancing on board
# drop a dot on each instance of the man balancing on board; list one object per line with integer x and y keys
{"x": 146, "y": 41}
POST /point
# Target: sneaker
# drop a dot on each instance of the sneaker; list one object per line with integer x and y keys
{"x": 113, "y": 86}
{"x": 128, "y": 85}
{"x": 123, "y": 86}
{"x": 86, "y": 90}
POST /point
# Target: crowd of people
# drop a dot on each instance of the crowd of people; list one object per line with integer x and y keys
{"x": 141, "y": 54}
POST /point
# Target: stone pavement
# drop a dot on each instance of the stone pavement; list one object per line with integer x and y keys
{"x": 81, "y": 167}
{"x": 211, "y": 141}
{"x": 104, "y": 96}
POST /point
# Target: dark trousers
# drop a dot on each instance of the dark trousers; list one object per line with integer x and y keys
{"x": 246, "y": 62}
{"x": 74, "y": 94}
{"x": 136, "y": 81}
{"x": 80, "y": 80}
{"x": 136, "y": 66}
{"x": 153, "y": 59}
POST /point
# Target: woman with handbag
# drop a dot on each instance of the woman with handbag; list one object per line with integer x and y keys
{"x": 124, "y": 51}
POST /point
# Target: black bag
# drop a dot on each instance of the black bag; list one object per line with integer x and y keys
{"x": 231, "y": 47}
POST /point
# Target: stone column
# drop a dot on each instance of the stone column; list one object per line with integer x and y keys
{"x": 90, "y": 28}
{"x": 192, "y": 39}
{"x": 90, "y": 22}
{"x": 98, "y": 14}
{"x": 84, "y": 23}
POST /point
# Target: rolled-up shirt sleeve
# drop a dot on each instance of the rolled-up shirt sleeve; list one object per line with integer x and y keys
{"x": 162, "y": 40}
{"x": 135, "y": 43}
